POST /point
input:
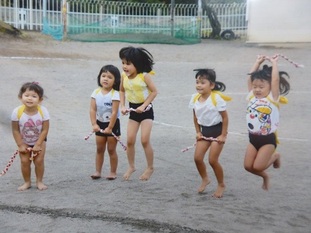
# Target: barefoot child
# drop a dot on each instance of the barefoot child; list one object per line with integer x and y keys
{"x": 30, "y": 126}
{"x": 264, "y": 86}
{"x": 139, "y": 90}
{"x": 210, "y": 120}
{"x": 104, "y": 115}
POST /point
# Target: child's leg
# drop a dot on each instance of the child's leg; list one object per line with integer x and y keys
{"x": 26, "y": 171}
{"x": 213, "y": 158}
{"x": 99, "y": 159}
{"x": 112, "y": 145}
{"x": 132, "y": 129}
{"x": 257, "y": 162}
{"x": 200, "y": 150}
{"x": 146, "y": 126}
{"x": 39, "y": 167}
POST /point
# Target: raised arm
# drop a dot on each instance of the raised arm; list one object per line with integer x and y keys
{"x": 275, "y": 78}
{"x": 260, "y": 59}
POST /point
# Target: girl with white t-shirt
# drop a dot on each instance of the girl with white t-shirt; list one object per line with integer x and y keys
{"x": 210, "y": 121}
{"x": 104, "y": 116}
{"x": 30, "y": 126}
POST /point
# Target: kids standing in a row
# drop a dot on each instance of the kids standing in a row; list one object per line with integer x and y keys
{"x": 139, "y": 90}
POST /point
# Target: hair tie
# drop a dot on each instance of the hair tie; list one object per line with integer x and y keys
{"x": 37, "y": 83}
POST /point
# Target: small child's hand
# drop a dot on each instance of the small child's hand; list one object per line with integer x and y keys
{"x": 273, "y": 59}
{"x": 260, "y": 59}
{"x": 199, "y": 136}
{"x": 107, "y": 131}
{"x": 36, "y": 149}
{"x": 96, "y": 128}
{"x": 140, "y": 109}
{"x": 221, "y": 139}
{"x": 23, "y": 149}
{"x": 124, "y": 110}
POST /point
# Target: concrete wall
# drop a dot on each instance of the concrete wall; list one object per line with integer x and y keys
{"x": 279, "y": 21}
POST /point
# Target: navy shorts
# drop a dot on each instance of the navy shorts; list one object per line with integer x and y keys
{"x": 211, "y": 131}
{"x": 103, "y": 125}
{"x": 139, "y": 117}
{"x": 259, "y": 141}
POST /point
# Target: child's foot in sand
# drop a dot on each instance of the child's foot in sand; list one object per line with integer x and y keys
{"x": 265, "y": 184}
{"x": 41, "y": 186}
{"x": 147, "y": 174}
{"x": 96, "y": 176}
{"x": 277, "y": 162}
{"x": 204, "y": 183}
{"x": 128, "y": 173}
{"x": 112, "y": 176}
{"x": 219, "y": 191}
{"x": 24, "y": 187}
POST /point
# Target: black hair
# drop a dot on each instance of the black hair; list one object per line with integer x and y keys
{"x": 31, "y": 86}
{"x": 140, "y": 57}
{"x": 210, "y": 75}
{"x": 266, "y": 74}
{"x": 115, "y": 72}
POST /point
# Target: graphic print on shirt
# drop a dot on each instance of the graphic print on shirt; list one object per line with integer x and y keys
{"x": 31, "y": 131}
{"x": 259, "y": 117}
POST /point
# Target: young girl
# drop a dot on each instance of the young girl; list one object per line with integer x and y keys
{"x": 30, "y": 126}
{"x": 139, "y": 90}
{"x": 104, "y": 115}
{"x": 210, "y": 121}
{"x": 265, "y": 87}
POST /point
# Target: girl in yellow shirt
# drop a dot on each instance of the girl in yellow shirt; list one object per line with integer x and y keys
{"x": 139, "y": 90}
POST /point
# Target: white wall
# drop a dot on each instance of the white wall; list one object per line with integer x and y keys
{"x": 279, "y": 21}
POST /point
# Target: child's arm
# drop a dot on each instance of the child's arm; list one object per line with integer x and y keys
{"x": 260, "y": 59}
{"x": 22, "y": 147}
{"x": 197, "y": 127}
{"x": 44, "y": 132}
{"x": 122, "y": 97}
{"x": 151, "y": 96}
{"x": 113, "y": 118}
{"x": 93, "y": 110}
{"x": 225, "y": 122}
{"x": 275, "y": 78}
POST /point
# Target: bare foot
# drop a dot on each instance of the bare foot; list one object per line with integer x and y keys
{"x": 96, "y": 176}
{"x": 277, "y": 162}
{"x": 147, "y": 174}
{"x": 266, "y": 183}
{"x": 128, "y": 173}
{"x": 219, "y": 191}
{"x": 24, "y": 187}
{"x": 41, "y": 186}
{"x": 204, "y": 183}
{"x": 112, "y": 176}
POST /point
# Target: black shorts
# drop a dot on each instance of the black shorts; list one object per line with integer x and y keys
{"x": 103, "y": 125}
{"x": 259, "y": 141}
{"x": 211, "y": 131}
{"x": 139, "y": 117}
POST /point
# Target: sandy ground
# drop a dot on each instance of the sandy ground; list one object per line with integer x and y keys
{"x": 168, "y": 202}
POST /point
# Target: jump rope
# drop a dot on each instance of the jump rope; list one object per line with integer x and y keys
{"x": 297, "y": 65}
{"x": 116, "y": 137}
{"x": 5, "y": 170}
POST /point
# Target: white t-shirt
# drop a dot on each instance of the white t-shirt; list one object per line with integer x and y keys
{"x": 207, "y": 113}
{"x": 104, "y": 104}
{"x": 262, "y": 115}
{"x": 30, "y": 126}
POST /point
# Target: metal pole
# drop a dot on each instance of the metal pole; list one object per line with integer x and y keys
{"x": 172, "y": 17}
{"x": 64, "y": 19}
